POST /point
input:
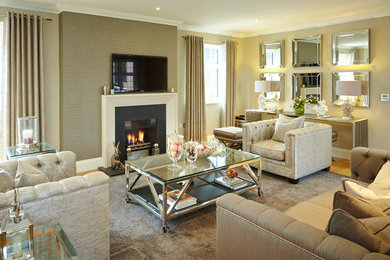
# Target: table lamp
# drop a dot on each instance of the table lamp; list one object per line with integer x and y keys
{"x": 262, "y": 86}
{"x": 348, "y": 88}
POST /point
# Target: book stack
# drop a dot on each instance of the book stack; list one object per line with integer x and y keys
{"x": 185, "y": 201}
{"x": 234, "y": 184}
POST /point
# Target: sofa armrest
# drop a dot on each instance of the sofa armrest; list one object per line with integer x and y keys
{"x": 309, "y": 149}
{"x": 250, "y": 230}
{"x": 366, "y": 163}
{"x": 256, "y": 131}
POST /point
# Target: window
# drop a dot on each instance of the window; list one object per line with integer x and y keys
{"x": 214, "y": 73}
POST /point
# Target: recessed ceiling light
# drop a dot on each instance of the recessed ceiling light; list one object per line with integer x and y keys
{"x": 158, "y": 8}
{"x": 256, "y": 21}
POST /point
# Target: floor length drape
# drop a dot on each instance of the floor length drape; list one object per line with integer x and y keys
{"x": 195, "y": 92}
{"x": 230, "y": 105}
{"x": 25, "y": 84}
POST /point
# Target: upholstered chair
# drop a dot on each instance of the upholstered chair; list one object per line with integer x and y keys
{"x": 304, "y": 150}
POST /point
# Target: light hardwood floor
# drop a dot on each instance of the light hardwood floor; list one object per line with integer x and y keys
{"x": 339, "y": 166}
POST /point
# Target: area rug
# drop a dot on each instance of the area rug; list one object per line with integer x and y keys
{"x": 135, "y": 233}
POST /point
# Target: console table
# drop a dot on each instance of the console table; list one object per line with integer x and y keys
{"x": 351, "y": 132}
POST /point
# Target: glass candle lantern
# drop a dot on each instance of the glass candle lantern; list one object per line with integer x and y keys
{"x": 16, "y": 234}
{"x": 28, "y": 132}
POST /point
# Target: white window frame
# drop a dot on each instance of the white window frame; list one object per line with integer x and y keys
{"x": 221, "y": 67}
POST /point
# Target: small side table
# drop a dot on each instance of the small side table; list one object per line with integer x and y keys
{"x": 42, "y": 148}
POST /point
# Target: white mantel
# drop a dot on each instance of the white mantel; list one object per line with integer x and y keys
{"x": 110, "y": 102}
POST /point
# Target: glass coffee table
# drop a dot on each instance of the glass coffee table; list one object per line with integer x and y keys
{"x": 198, "y": 182}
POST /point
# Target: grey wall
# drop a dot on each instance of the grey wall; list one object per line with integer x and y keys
{"x": 86, "y": 45}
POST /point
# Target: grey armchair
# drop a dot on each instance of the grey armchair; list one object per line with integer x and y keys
{"x": 304, "y": 151}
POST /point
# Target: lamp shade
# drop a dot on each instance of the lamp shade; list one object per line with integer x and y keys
{"x": 349, "y": 87}
{"x": 262, "y": 86}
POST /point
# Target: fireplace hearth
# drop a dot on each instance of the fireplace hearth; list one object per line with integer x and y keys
{"x": 139, "y": 129}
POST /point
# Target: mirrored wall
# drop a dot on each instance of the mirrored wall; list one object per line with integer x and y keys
{"x": 306, "y": 84}
{"x": 272, "y": 54}
{"x": 307, "y": 51}
{"x": 349, "y": 48}
{"x": 277, "y": 86}
{"x": 352, "y": 86}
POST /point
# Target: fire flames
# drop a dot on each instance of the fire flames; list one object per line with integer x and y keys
{"x": 133, "y": 139}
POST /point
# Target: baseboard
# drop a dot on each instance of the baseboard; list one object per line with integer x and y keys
{"x": 89, "y": 164}
{"x": 341, "y": 153}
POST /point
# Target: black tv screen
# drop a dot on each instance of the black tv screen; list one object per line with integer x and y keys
{"x": 138, "y": 73}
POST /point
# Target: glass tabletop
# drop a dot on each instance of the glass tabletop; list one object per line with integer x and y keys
{"x": 51, "y": 242}
{"x": 158, "y": 165}
{"x": 43, "y": 147}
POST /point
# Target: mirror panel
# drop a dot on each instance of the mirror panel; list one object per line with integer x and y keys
{"x": 306, "y": 84}
{"x": 277, "y": 86}
{"x": 272, "y": 54}
{"x": 307, "y": 51}
{"x": 358, "y": 81}
{"x": 349, "y": 48}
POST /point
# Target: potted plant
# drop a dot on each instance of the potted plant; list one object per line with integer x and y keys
{"x": 299, "y": 105}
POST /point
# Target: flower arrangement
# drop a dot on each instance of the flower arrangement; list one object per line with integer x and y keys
{"x": 299, "y": 105}
{"x": 312, "y": 100}
{"x": 231, "y": 174}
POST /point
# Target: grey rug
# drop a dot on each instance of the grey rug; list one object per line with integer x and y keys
{"x": 135, "y": 233}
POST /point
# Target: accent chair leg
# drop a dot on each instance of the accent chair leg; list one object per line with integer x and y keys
{"x": 327, "y": 169}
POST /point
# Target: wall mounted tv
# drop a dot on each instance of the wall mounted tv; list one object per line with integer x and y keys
{"x": 138, "y": 73}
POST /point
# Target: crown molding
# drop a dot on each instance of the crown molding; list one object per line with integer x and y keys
{"x": 328, "y": 22}
{"x": 118, "y": 14}
{"x": 209, "y": 31}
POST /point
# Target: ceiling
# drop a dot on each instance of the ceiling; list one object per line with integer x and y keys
{"x": 239, "y": 18}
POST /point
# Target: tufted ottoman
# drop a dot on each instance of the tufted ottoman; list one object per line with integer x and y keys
{"x": 231, "y": 136}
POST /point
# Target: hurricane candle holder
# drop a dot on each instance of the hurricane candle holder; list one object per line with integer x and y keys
{"x": 28, "y": 132}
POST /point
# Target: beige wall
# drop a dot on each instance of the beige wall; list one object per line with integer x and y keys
{"x": 212, "y": 110}
{"x": 86, "y": 45}
{"x": 51, "y": 74}
{"x": 377, "y": 113}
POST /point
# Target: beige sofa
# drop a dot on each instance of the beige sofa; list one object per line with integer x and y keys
{"x": 304, "y": 151}
{"x": 250, "y": 230}
{"x": 78, "y": 203}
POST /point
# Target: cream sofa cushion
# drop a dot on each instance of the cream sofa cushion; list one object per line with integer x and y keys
{"x": 27, "y": 175}
{"x": 384, "y": 172}
{"x": 270, "y": 149}
{"x": 6, "y": 181}
{"x": 357, "y": 189}
{"x": 73, "y": 183}
{"x": 300, "y": 121}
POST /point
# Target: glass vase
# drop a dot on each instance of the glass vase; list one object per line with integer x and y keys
{"x": 191, "y": 149}
{"x": 175, "y": 149}
{"x": 299, "y": 110}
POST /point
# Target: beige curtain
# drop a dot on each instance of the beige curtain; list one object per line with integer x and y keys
{"x": 195, "y": 97}
{"x": 229, "y": 111}
{"x": 25, "y": 86}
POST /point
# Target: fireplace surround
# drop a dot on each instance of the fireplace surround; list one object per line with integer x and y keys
{"x": 111, "y": 102}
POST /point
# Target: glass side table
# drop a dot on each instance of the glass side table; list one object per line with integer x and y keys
{"x": 13, "y": 153}
{"x": 50, "y": 243}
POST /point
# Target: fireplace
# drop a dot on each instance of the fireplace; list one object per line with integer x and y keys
{"x": 111, "y": 102}
{"x": 139, "y": 129}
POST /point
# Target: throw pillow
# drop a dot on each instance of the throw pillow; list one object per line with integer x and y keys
{"x": 27, "y": 175}
{"x": 281, "y": 129}
{"x": 299, "y": 120}
{"x": 357, "y": 189}
{"x": 6, "y": 181}
{"x": 384, "y": 172}
{"x": 360, "y": 208}
{"x": 381, "y": 184}
{"x": 373, "y": 239}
